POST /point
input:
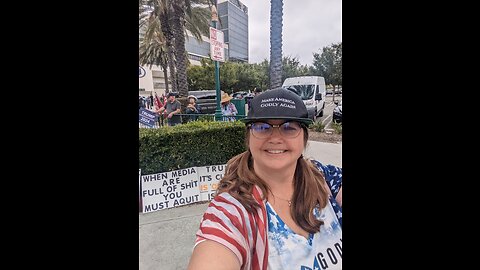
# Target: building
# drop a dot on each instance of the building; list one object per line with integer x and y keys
{"x": 197, "y": 49}
{"x": 233, "y": 16}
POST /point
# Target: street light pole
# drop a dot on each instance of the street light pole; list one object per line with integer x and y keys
{"x": 218, "y": 110}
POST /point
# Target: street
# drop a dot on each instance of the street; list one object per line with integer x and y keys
{"x": 326, "y": 119}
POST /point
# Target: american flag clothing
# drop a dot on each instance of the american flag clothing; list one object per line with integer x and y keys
{"x": 289, "y": 250}
{"x": 227, "y": 222}
{"x": 157, "y": 102}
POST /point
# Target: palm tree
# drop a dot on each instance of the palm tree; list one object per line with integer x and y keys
{"x": 160, "y": 10}
{"x": 176, "y": 17}
{"x": 152, "y": 49}
{"x": 276, "y": 24}
{"x": 178, "y": 26}
{"x": 198, "y": 18}
{"x": 197, "y": 23}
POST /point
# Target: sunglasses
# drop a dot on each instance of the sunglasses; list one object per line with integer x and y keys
{"x": 262, "y": 130}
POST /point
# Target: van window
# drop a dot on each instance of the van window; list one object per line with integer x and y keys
{"x": 318, "y": 90}
{"x": 304, "y": 91}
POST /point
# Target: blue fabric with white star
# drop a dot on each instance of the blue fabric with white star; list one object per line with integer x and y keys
{"x": 333, "y": 177}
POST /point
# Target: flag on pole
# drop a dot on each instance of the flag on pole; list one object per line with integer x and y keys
{"x": 158, "y": 103}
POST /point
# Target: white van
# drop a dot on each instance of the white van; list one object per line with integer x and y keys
{"x": 312, "y": 91}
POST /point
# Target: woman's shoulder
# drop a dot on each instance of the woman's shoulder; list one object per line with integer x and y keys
{"x": 226, "y": 198}
{"x": 333, "y": 176}
{"x": 326, "y": 168}
{"x": 226, "y": 207}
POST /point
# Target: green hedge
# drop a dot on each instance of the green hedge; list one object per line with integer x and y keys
{"x": 196, "y": 143}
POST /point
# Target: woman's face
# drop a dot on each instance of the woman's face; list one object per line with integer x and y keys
{"x": 276, "y": 151}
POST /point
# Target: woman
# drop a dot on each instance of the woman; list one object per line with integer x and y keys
{"x": 273, "y": 207}
{"x": 228, "y": 108}
{"x": 192, "y": 108}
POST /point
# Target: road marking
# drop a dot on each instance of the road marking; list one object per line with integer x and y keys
{"x": 328, "y": 116}
{"x": 328, "y": 124}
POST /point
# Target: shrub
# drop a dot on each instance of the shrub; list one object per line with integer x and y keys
{"x": 317, "y": 126}
{"x": 196, "y": 143}
{"x": 337, "y": 127}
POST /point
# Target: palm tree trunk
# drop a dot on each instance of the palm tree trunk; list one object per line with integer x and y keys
{"x": 165, "y": 75}
{"x": 168, "y": 34}
{"x": 276, "y": 24}
{"x": 180, "y": 52}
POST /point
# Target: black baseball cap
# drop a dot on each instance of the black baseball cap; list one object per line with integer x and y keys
{"x": 278, "y": 103}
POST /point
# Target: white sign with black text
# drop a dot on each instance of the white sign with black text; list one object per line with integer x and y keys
{"x": 208, "y": 178}
{"x": 169, "y": 189}
{"x": 217, "y": 52}
{"x": 181, "y": 187}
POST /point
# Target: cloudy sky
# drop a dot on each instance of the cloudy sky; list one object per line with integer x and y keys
{"x": 308, "y": 26}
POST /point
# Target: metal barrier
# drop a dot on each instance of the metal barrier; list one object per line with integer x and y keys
{"x": 186, "y": 117}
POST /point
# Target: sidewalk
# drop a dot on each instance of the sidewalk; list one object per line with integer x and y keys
{"x": 326, "y": 153}
{"x": 166, "y": 237}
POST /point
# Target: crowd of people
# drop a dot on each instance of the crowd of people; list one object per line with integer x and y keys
{"x": 145, "y": 102}
{"x": 169, "y": 109}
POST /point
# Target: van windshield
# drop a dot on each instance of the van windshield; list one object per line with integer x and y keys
{"x": 303, "y": 90}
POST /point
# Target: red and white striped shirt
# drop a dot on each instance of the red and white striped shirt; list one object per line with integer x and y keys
{"x": 228, "y": 222}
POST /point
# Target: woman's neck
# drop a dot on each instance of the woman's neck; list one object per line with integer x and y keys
{"x": 279, "y": 181}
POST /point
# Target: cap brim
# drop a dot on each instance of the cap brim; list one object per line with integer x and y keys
{"x": 306, "y": 121}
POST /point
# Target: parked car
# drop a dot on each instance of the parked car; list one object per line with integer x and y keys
{"x": 239, "y": 95}
{"x": 337, "y": 112}
{"x": 206, "y": 100}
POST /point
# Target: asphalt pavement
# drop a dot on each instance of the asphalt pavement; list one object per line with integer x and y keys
{"x": 166, "y": 237}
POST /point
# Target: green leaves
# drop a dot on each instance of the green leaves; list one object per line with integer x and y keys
{"x": 195, "y": 143}
{"x": 329, "y": 64}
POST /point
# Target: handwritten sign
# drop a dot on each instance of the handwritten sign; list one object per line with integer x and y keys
{"x": 208, "y": 178}
{"x": 169, "y": 189}
{"x": 165, "y": 190}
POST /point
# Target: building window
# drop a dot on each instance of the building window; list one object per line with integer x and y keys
{"x": 159, "y": 85}
{"x": 194, "y": 57}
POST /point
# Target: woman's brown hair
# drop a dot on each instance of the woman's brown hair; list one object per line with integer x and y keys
{"x": 310, "y": 188}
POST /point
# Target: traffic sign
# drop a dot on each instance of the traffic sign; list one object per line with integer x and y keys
{"x": 217, "y": 52}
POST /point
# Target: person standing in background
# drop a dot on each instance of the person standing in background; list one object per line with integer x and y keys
{"x": 228, "y": 108}
{"x": 150, "y": 101}
{"x": 172, "y": 107}
{"x": 192, "y": 108}
{"x": 256, "y": 91}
